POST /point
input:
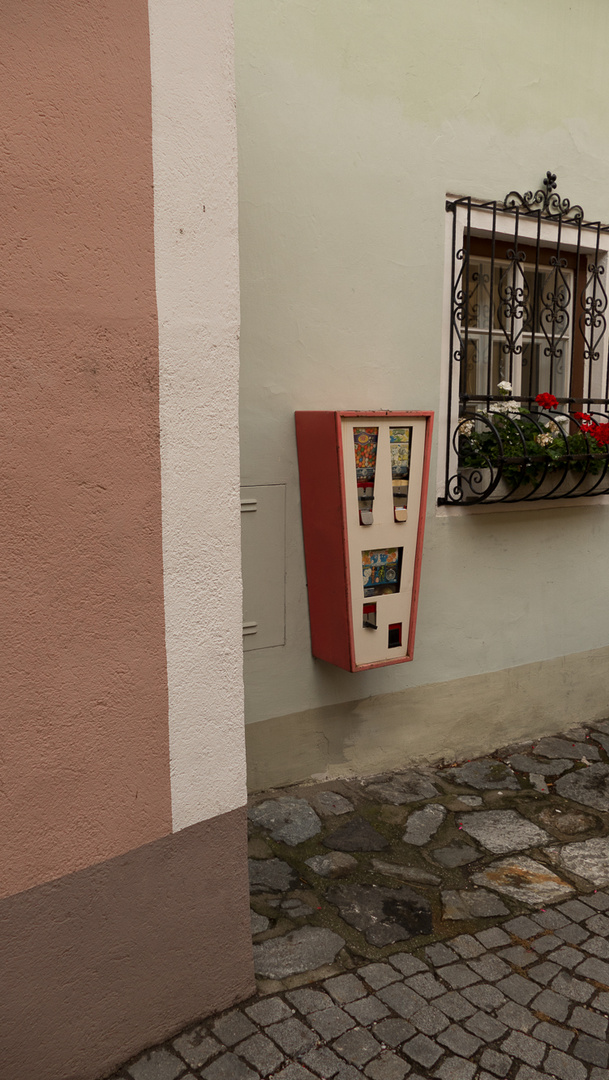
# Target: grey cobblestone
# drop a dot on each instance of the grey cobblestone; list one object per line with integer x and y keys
{"x": 564, "y": 1066}
{"x": 598, "y": 924}
{"x": 195, "y": 1048}
{"x": 573, "y": 934}
{"x": 566, "y": 957}
{"x": 594, "y": 969}
{"x": 524, "y": 1048}
{"x": 545, "y": 944}
{"x": 430, "y": 1020}
{"x": 518, "y": 989}
{"x": 575, "y": 989}
{"x": 483, "y": 997}
{"x": 543, "y": 973}
{"x": 589, "y": 1021}
{"x": 598, "y": 946}
{"x": 233, "y": 1027}
{"x": 458, "y": 976}
{"x": 228, "y": 1067}
{"x": 455, "y": 1006}
{"x": 493, "y": 938}
{"x": 401, "y": 999}
{"x": 261, "y": 1053}
{"x": 345, "y": 988}
{"x": 292, "y": 1036}
{"x": 425, "y": 985}
{"x": 601, "y": 1002}
{"x": 322, "y": 1061}
{"x": 595, "y": 1051}
{"x": 422, "y": 1050}
{"x": 308, "y": 1001}
{"x": 407, "y": 964}
{"x": 498, "y": 1064}
{"x": 455, "y": 1069}
{"x": 490, "y": 967}
{"x": 357, "y": 1046}
{"x": 459, "y": 1041}
{"x": 521, "y": 927}
{"x": 518, "y": 956}
{"x": 560, "y": 1037}
{"x": 575, "y": 910}
{"x": 330, "y": 1023}
{"x": 440, "y": 954}
{"x": 552, "y": 1004}
{"x": 367, "y": 1010}
{"x": 486, "y": 1027}
{"x": 393, "y": 1032}
{"x": 550, "y": 919}
{"x": 378, "y": 975}
{"x": 598, "y": 900}
{"x": 387, "y": 1066}
{"x": 516, "y": 1016}
{"x": 157, "y": 1065}
{"x": 292, "y": 1072}
{"x": 466, "y": 946}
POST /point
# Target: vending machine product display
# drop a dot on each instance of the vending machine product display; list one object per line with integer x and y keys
{"x": 363, "y": 486}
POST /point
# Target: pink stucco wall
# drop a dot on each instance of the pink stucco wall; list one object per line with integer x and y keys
{"x": 84, "y": 768}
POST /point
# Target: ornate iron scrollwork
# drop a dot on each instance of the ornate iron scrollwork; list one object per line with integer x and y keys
{"x": 545, "y": 201}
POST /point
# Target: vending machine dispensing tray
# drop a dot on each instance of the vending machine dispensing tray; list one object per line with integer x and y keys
{"x": 363, "y": 487}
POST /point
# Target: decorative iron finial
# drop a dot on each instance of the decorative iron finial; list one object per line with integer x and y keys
{"x": 545, "y": 201}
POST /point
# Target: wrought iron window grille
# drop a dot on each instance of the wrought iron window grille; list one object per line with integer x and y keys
{"x": 528, "y": 397}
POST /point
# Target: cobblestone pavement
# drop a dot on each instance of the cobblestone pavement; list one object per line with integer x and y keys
{"x": 445, "y": 922}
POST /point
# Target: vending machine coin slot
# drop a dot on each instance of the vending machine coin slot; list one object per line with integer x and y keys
{"x": 369, "y": 620}
{"x": 395, "y": 635}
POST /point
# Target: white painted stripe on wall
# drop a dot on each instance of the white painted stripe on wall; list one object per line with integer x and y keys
{"x": 195, "y": 181}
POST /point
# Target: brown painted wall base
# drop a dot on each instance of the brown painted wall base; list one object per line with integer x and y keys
{"x": 104, "y": 962}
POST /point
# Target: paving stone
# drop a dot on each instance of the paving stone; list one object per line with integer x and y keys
{"x": 588, "y": 859}
{"x": 331, "y": 1022}
{"x": 261, "y": 1053}
{"x": 572, "y": 934}
{"x": 378, "y": 975}
{"x": 518, "y": 956}
{"x": 430, "y": 1020}
{"x": 544, "y": 945}
{"x": 502, "y": 831}
{"x": 575, "y": 989}
{"x": 305, "y": 949}
{"x": 306, "y": 1001}
{"x": 524, "y": 1048}
{"x": 335, "y": 864}
{"x": 401, "y": 999}
{"x": 368, "y": 1010}
{"x": 387, "y": 1066}
{"x": 458, "y": 976}
{"x": 233, "y": 1027}
{"x": 598, "y": 900}
{"x": 522, "y": 927}
{"x": 269, "y": 1010}
{"x": 330, "y": 803}
{"x": 406, "y": 787}
{"x": 471, "y": 904}
{"x": 564, "y": 1066}
{"x": 498, "y": 1064}
{"x": 467, "y": 946}
{"x": 288, "y": 819}
{"x": 597, "y": 1074}
{"x": 589, "y": 786}
{"x": 423, "y": 824}
{"x": 489, "y": 968}
{"x": 455, "y": 855}
{"x": 552, "y": 1004}
{"x": 407, "y": 873}
{"x": 493, "y": 938}
{"x": 293, "y": 1072}
{"x": 525, "y": 1072}
{"x": 565, "y": 748}
{"x": 426, "y": 986}
{"x": 484, "y": 997}
{"x": 470, "y": 800}
{"x": 323, "y": 1061}
{"x": 356, "y": 835}
{"x": 566, "y": 957}
{"x": 524, "y": 879}
{"x": 456, "y": 1006}
{"x": 598, "y": 946}
{"x": 569, "y": 821}
{"x": 595, "y": 969}
{"x": 258, "y": 923}
{"x": 518, "y": 989}
{"x": 590, "y": 1022}
{"x": 453, "y": 1068}
{"x": 486, "y": 774}
{"x": 543, "y": 973}
{"x": 550, "y": 920}
{"x": 156, "y": 1065}
{"x": 345, "y": 988}
{"x": 525, "y": 764}
{"x": 393, "y": 1032}
{"x": 295, "y": 909}
{"x": 384, "y": 915}
{"x": 560, "y": 1037}
{"x": 575, "y": 910}
{"x": 439, "y": 954}
{"x": 422, "y": 1050}
{"x": 485, "y": 1027}
{"x": 292, "y": 1036}
{"x": 516, "y": 1016}
{"x": 271, "y": 875}
{"x": 228, "y": 1067}
{"x": 357, "y": 1046}
{"x": 406, "y": 963}
{"x": 598, "y": 924}
{"x": 601, "y": 1002}
{"x": 196, "y": 1048}
{"x": 459, "y": 1041}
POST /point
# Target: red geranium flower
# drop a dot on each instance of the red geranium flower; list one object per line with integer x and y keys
{"x": 587, "y": 423}
{"x": 600, "y": 432}
{"x": 547, "y": 401}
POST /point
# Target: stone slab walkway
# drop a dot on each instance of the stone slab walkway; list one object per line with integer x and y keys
{"x": 447, "y": 922}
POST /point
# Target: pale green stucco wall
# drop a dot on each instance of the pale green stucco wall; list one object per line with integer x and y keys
{"x": 355, "y": 118}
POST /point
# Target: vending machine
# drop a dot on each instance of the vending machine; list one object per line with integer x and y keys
{"x": 363, "y": 486}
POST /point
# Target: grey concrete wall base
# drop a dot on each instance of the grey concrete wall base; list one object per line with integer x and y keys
{"x": 104, "y": 962}
{"x": 451, "y": 720}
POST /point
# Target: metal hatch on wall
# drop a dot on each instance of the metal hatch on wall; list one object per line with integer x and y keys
{"x": 263, "y": 565}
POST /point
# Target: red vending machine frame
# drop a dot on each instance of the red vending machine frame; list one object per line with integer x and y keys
{"x": 331, "y": 528}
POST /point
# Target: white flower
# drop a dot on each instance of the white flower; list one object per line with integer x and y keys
{"x": 544, "y": 438}
{"x": 504, "y": 387}
{"x": 466, "y": 427}
{"x": 502, "y": 406}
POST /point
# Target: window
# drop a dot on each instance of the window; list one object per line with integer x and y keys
{"x": 528, "y": 391}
